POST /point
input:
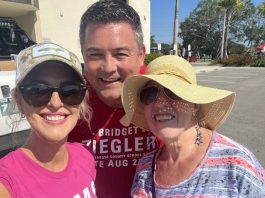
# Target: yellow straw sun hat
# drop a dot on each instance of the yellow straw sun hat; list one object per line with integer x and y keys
{"x": 178, "y": 75}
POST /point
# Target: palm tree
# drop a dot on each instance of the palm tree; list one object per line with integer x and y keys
{"x": 262, "y": 7}
{"x": 228, "y": 6}
{"x": 153, "y": 41}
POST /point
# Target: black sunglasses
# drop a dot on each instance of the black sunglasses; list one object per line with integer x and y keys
{"x": 150, "y": 94}
{"x": 39, "y": 94}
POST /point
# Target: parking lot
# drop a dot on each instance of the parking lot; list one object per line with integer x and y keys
{"x": 246, "y": 123}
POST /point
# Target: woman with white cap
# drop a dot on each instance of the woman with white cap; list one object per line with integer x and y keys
{"x": 49, "y": 91}
{"x": 194, "y": 160}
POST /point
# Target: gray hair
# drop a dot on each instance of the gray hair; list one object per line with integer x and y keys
{"x": 111, "y": 11}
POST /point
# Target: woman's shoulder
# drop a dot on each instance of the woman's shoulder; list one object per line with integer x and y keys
{"x": 225, "y": 146}
{"x": 10, "y": 166}
{"x": 79, "y": 150}
{"x": 229, "y": 153}
{"x": 146, "y": 161}
{"x": 81, "y": 157}
{"x": 147, "y": 157}
{"x": 11, "y": 159}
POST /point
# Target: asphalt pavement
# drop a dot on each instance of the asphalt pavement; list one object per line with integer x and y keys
{"x": 246, "y": 123}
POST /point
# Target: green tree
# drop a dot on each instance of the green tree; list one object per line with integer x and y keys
{"x": 153, "y": 41}
{"x": 229, "y": 8}
{"x": 236, "y": 48}
{"x": 165, "y": 48}
{"x": 202, "y": 28}
{"x": 248, "y": 26}
{"x": 262, "y": 7}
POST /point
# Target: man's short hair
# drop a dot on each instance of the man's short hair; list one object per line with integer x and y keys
{"x": 111, "y": 11}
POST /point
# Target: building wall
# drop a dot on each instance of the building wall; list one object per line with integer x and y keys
{"x": 143, "y": 9}
{"x": 30, "y": 23}
{"x": 58, "y": 21}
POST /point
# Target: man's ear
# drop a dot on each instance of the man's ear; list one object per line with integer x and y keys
{"x": 142, "y": 54}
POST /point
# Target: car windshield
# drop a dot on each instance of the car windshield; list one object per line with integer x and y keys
{"x": 12, "y": 38}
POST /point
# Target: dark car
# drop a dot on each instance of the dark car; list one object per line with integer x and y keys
{"x": 191, "y": 57}
{"x": 12, "y": 38}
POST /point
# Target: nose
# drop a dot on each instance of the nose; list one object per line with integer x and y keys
{"x": 55, "y": 101}
{"x": 109, "y": 64}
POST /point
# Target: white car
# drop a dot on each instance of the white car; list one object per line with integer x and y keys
{"x": 12, "y": 40}
{"x": 11, "y": 135}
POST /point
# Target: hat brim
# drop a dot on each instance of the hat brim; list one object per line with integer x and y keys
{"x": 214, "y": 104}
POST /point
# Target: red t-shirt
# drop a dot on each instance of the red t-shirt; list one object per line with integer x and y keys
{"x": 117, "y": 148}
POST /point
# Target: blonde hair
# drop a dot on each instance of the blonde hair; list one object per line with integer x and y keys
{"x": 86, "y": 110}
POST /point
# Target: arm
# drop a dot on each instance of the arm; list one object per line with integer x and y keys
{"x": 4, "y": 192}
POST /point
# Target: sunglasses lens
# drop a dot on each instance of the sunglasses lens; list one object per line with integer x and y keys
{"x": 148, "y": 95}
{"x": 40, "y": 94}
{"x": 171, "y": 95}
{"x": 72, "y": 94}
{"x": 36, "y": 94}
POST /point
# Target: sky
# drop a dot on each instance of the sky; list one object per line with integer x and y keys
{"x": 162, "y": 17}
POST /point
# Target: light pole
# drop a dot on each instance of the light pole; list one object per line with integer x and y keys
{"x": 223, "y": 37}
{"x": 175, "y": 35}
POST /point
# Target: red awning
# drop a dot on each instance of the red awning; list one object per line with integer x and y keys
{"x": 260, "y": 47}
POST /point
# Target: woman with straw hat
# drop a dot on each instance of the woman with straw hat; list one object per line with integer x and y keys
{"x": 194, "y": 160}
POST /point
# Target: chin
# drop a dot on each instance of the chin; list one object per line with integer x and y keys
{"x": 113, "y": 94}
{"x": 166, "y": 133}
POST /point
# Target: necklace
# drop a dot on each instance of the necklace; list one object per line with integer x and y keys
{"x": 153, "y": 172}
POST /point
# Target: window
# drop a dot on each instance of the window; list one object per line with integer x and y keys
{"x": 12, "y": 38}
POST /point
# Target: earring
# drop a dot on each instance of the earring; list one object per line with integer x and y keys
{"x": 198, "y": 139}
{"x": 22, "y": 115}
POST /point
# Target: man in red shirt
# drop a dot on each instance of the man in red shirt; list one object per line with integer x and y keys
{"x": 112, "y": 47}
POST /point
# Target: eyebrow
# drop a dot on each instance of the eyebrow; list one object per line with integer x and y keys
{"x": 95, "y": 49}
{"x": 122, "y": 48}
{"x": 92, "y": 49}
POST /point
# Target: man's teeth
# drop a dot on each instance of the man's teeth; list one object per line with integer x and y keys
{"x": 110, "y": 79}
{"x": 163, "y": 117}
{"x": 54, "y": 118}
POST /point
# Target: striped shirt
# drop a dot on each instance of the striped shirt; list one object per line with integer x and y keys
{"x": 227, "y": 170}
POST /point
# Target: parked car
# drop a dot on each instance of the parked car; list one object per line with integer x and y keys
{"x": 12, "y": 40}
{"x": 191, "y": 56}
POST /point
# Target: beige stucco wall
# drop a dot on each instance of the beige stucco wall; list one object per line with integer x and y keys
{"x": 30, "y": 23}
{"x": 143, "y": 9}
{"x": 58, "y": 21}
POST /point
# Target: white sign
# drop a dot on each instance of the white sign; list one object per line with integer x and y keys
{"x": 189, "y": 47}
{"x": 159, "y": 46}
{"x": 183, "y": 52}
